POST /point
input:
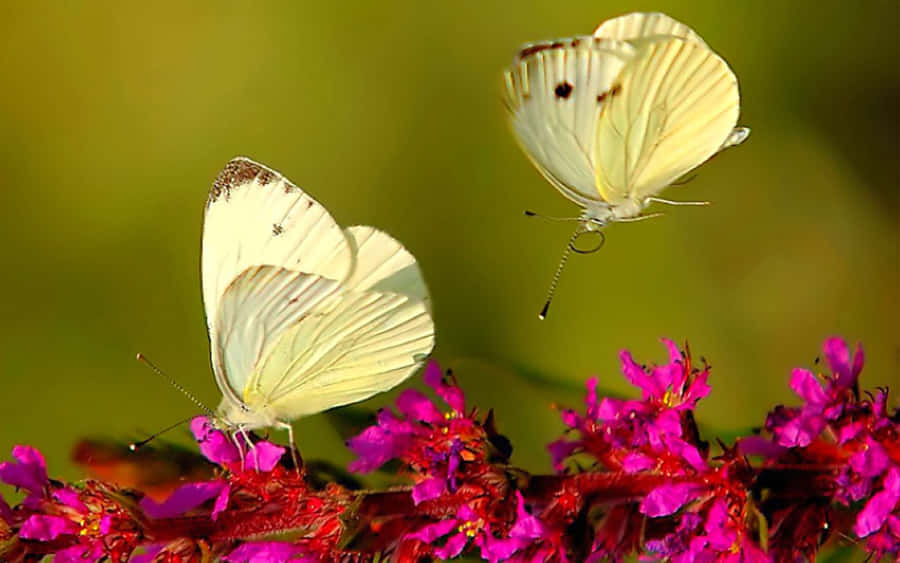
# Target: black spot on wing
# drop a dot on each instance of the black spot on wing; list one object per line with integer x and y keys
{"x": 563, "y": 90}
{"x": 614, "y": 91}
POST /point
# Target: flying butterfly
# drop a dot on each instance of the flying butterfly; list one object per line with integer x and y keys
{"x": 303, "y": 315}
{"x": 612, "y": 119}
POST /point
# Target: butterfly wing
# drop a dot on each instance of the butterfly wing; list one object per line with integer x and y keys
{"x": 255, "y": 216}
{"x": 640, "y": 25}
{"x": 383, "y": 264}
{"x": 554, "y": 93}
{"x": 677, "y": 104}
{"x": 366, "y": 338}
{"x": 256, "y": 308}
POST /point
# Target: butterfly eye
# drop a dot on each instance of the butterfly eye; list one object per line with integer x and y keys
{"x": 563, "y": 90}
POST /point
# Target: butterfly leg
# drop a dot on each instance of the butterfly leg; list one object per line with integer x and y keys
{"x": 250, "y": 445}
{"x": 638, "y": 218}
{"x": 234, "y": 438}
{"x": 290, "y": 430}
{"x": 670, "y": 202}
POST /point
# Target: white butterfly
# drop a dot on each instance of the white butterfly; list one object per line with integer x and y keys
{"x": 303, "y": 315}
{"x": 614, "y": 118}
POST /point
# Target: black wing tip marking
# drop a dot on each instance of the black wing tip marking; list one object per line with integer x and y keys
{"x": 241, "y": 170}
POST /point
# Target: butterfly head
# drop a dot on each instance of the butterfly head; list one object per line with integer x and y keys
{"x": 238, "y": 415}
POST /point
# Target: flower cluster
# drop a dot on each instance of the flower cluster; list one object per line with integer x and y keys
{"x": 852, "y": 438}
{"x": 698, "y": 510}
{"x": 633, "y": 476}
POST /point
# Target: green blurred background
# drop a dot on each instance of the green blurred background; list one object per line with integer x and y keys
{"x": 117, "y": 117}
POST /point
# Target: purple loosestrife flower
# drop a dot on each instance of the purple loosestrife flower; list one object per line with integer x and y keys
{"x": 270, "y": 552}
{"x": 840, "y": 446}
{"x": 218, "y": 448}
{"x": 701, "y": 507}
{"x": 28, "y": 472}
{"x": 439, "y": 447}
{"x": 631, "y": 435}
{"x": 799, "y": 426}
{"x": 828, "y": 468}
{"x": 79, "y": 522}
{"x": 451, "y": 536}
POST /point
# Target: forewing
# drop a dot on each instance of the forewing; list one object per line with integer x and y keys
{"x": 254, "y": 311}
{"x": 255, "y": 216}
{"x": 676, "y": 105}
{"x": 640, "y": 25}
{"x": 554, "y": 94}
{"x": 368, "y": 343}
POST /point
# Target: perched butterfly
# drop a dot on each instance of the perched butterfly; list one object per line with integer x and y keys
{"x": 614, "y": 118}
{"x": 303, "y": 315}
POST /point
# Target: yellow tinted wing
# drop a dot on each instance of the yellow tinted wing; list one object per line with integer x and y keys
{"x": 675, "y": 105}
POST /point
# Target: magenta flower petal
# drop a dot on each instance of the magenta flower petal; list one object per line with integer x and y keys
{"x": 807, "y": 386}
{"x": 266, "y": 454}
{"x": 185, "y": 498}
{"x": 687, "y": 452}
{"x": 570, "y": 418}
{"x": 800, "y": 431}
{"x": 873, "y": 515}
{"x": 29, "y": 472}
{"x": 70, "y": 498}
{"x": 79, "y": 554}
{"x": 837, "y": 354}
{"x": 221, "y": 501}
{"x": 560, "y": 450}
{"x": 849, "y": 432}
{"x": 375, "y": 445}
{"x": 498, "y": 549}
{"x": 214, "y": 444}
{"x": 636, "y": 461}
{"x": 719, "y": 533}
{"x": 757, "y": 445}
{"x": 268, "y": 552}
{"x": 634, "y": 372}
{"x": 592, "y": 397}
{"x": 429, "y": 489}
{"x": 45, "y": 528}
{"x": 417, "y": 406}
{"x": 698, "y": 389}
{"x": 526, "y": 526}
{"x": 451, "y": 395}
{"x": 666, "y": 499}
{"x": 453, "y": 547}
{"x": 675, "y": 355}
{"x": 870, "y": 461}
{"x": 466, "y": 513}
{"x": 430, "y": 532}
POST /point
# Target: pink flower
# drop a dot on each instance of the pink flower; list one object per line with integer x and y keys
{"x": 270, "y": 552}
{"x": 219, "y": 448}
{"x": 29, "y": 472}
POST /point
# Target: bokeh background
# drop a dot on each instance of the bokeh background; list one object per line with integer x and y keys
{"x": 116, "y": 117}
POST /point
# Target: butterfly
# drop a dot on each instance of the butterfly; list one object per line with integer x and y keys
{"x": 612, "y": 119}
{"x": 303, "y": 315}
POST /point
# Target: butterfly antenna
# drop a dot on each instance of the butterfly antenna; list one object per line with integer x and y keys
{"x": 559, "y": 269}
{"x": 176, "y": 385}
{"x": 529, "y": 213}
{"x": 134, "y": 446}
